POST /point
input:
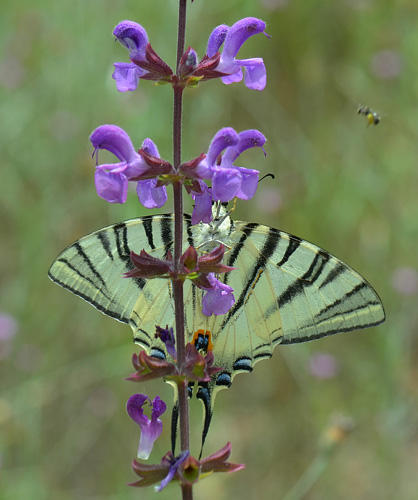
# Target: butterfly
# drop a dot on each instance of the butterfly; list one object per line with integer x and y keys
{"x": 286, "y": 290}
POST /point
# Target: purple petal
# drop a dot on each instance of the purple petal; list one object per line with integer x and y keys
{"x": 150, "y": 148}
{"x": 172, "y": 470}
{"x": 167, "y": 336}
{"x": 111, "y": 186}
{"x": 202, "y": 210}
{"x": 216, "y": 39}
{"x": 149, "y": 435}
{"x": 235, "y": 76}
{"x": 149, "y": 195}
{"x": 249, "y": 183}
{"x": 247, "y": 139}
{"x": 134, "y": 37}
{"x": 255, "y": 73}
{"x": 158, "y": 408}
{"x": 203, "y": 171}
{"x": 224, "y": 138}
{"x": 219, "y": 300}
{"x": 134, "y": 409}
{"x": 127, "y": 76}
{"x": 238, "y": 33}
{"x": 226, "y": 183}
{"x": 115, "y": 140}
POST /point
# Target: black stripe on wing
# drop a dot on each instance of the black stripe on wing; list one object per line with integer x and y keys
{"x": 103, "y": 237}
{"x": 82, "y": 254}
{"x": 270, "y": 244}
{"x": 88, "y": 299}
{"x": 309, "y": 278}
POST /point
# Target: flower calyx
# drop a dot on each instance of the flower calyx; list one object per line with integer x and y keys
{"x": 149, "y": 368}
{"x": 191, "y": 266}
{"x": 184, "y": 468}
{"x": 198, "y": 368}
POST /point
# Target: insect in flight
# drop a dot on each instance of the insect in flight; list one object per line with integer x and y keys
{"x": 287, "y": 290}
{"x": 372, "y": 116}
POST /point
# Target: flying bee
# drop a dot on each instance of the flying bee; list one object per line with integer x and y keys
{"x": 372, "y": 116}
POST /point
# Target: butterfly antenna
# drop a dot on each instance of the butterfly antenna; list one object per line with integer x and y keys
{"x": 205, "y": 395}
{"x": 267, "y": 175}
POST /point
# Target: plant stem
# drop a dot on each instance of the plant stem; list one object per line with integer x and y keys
{"x": 187, "y": 492}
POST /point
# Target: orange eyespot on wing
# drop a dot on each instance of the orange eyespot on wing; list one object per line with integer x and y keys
{"x": 202, "y": 340}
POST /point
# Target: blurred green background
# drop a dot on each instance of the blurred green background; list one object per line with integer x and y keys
{"x": 349, "y": 188}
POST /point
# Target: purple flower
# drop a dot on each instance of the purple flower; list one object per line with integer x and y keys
{"x": 134, "y": 37}
{"x": 112, "y": 179}
{"x": 217, "y": 300}
{"x": 203, "y": 206}
{"x": 145, "y": 62}
{"x": 167, "y": 336}
{"x": 323, "y": 365}
{"x": 233, "y": 38}
{"x": 174, "y": 465}
{"x": 228, "y": 181}
{"x": 127, "y": 76}
{"x": 150, "y": 429}
{"x": 8, "y": 327}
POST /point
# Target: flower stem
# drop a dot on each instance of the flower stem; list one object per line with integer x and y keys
{"x": 178, "y": 240}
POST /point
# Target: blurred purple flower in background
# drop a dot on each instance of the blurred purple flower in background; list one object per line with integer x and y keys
{"x": 323, "y": 365}
{"x": 405, "y": 280}
{"x": 386, "y": 64}
{"x": 8, "y": 329}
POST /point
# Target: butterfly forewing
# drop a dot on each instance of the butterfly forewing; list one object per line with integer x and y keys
{"x": 93, "y": 267}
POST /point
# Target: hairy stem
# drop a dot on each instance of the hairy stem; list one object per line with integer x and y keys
{"x": 187, "y": 492}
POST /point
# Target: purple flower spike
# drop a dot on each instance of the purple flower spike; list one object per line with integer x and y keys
{"x": 218, "y": 300}
{"x": 150, "y": 429}
{"x": 237, "y": 34}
